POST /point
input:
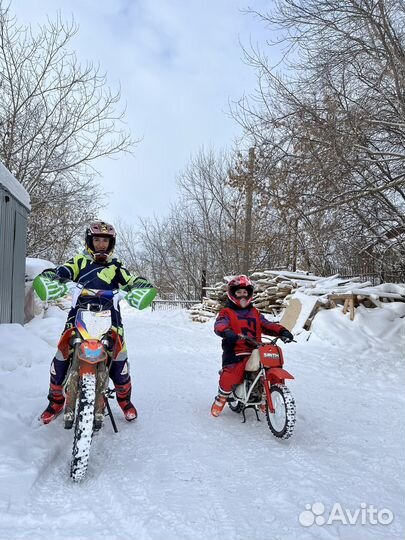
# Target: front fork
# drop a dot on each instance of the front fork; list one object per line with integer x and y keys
{"x": 102, "y": 375}
{"x": 266, "y": 385}
{"x": 71, "y": 387}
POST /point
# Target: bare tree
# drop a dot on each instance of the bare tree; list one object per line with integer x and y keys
{"x": 331, "y": 125}
{"x": 202, "y": 239}
{"x": 57, "y": 117}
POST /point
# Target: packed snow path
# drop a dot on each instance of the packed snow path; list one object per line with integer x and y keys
{"x": 178, "y": 473}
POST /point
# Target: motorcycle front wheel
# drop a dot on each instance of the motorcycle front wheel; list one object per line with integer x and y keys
{"x": 282, "y": 421}
{"x": 84, "y": 426}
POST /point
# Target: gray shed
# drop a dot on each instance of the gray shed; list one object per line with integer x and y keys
{"x": 14, "y": 210}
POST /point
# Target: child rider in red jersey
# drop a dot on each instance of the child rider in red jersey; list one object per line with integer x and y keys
{"x": 238, "y": 318}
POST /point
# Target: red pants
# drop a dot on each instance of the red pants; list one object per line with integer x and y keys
{"x": 232, "y": 375}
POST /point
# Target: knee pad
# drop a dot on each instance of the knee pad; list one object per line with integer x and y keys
{"x": 58, "y": 371}
{"x": 119, "y": 372}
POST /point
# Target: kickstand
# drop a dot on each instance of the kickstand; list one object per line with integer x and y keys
{"x": 250, "y": 407}
{"x": 109, "y": 395}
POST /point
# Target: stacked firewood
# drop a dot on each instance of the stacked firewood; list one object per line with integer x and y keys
{"x": 273, "y": 288}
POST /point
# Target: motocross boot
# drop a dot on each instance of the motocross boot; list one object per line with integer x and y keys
{"x": 124, "y": 401}
{"x": 56, "y": 403}
{"x": 218, "y": 405}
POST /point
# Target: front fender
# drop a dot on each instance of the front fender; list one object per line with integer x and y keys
{"x": 91, "y": 351}
{"x": 277, "y": 373}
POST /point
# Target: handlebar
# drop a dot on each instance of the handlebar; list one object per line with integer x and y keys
{"x": 273, "y": 340}
{"x": 115, "y": 295}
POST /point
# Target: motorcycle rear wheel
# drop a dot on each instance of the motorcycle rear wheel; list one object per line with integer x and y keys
{"x": 281, "y": 423}
{"x": 84, "y": 427}
{"x": 236, "y": 406}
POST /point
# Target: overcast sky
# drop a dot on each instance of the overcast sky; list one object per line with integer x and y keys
{"x": 179, "y": 63}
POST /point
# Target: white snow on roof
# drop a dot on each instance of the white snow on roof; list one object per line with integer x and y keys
{"x": 13, "y": 186}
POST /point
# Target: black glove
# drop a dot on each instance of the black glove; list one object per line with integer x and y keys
{"x": 55, "y": 277}
{"x": 286, "y": 335}
{"x": 49, "y": 273}
{"x": 230, "y": 337}
{"x": 251, "y": 342}
{"x": 141, "y": 283}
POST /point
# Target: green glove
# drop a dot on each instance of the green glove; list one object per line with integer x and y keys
{"x": 48, "y": 289}
{"x": 141, "y": 298}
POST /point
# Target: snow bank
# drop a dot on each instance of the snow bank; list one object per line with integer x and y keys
{"x": 19, "y": 348}
{"x": 33, "y": 267}
{"x": 372, "y": 330}
{"x": 33, "y": 307}
{"x": 25, "y": 346}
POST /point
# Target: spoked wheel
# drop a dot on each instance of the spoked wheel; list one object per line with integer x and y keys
{"x": 282, "y": 422}
{"x": 235, "y": 405}
{"x": 84, "y": 426}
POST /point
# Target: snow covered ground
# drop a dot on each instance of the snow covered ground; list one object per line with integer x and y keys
{"x": 178, "y": 473}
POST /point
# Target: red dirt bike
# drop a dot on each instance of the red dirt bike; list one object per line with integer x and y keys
{"x": 86, "y": 384}
{"x": 264, "y": 389}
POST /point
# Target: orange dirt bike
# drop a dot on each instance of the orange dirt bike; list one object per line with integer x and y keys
{"x": 86, "y": 384}
{"x": 264, "y": 388}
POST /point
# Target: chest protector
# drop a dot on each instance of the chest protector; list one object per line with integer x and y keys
{"x": 247, "y": 324}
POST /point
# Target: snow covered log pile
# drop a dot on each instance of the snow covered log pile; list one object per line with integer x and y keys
{"x": 274, "y": 289}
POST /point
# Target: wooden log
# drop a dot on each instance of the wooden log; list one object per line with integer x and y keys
{"x": 351, "y": 301}
{"x": 314, "y": 311}
{"x": 349, "y": 306}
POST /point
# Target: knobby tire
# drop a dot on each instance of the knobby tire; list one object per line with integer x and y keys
{"x": 84, "y": 427}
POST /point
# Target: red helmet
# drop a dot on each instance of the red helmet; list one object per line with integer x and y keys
{"x": 240, "y": 282}
{"x": 105, "y": 230}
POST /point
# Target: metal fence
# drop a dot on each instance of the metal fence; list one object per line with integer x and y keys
{"x": 173, "y": 304}
{"x": 386, "y": 274}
